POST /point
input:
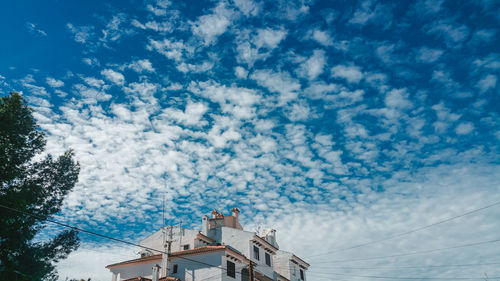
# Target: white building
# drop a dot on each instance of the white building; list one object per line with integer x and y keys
{"x": 221, "y": 251}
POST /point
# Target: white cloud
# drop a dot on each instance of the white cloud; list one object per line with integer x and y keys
{"x": 351, "y": 73}
{"x": 195, "y": 68}
{"x": 247, "y": 7}
{"x": 211, "y": 26}
{"x": 428, "y": 7}
{"x": 114, "y": 29}
{"x": 82, "y": 34}
{"x": 191, "y": 116}
{"x": 240, "y": 72}
{"x": 314, "y": 65}
{"x": 113, "y": 76}
{"x": 397, "y": 99}
{"x": 279, "y": 82}
{"x": 154, "y": 25}
{"x": 453, "y": 33}
{"x": 257, "y": 45}
{"x": 322, "y": 37}
{"x": 428, "y": 55}
{"x": 371, "y": 11}
{"x": 91, "y": 61}
{"x": 140, "y": 66}
{"x": 174, "y": 50}
{"x": 445, "y": 118}
{"x": 94, "y": 82}
{"x": 35, "y": 30}
{"x": 464, "y": 128}
{"x": 487, "y": 82}
{"x": 54, "y": 83}
{"x": 269, "y": 38}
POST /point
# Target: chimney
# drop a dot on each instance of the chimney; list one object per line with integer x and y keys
{"x": 156, "y": 271}
{"x": 235, "y": 212}
{"x": 204, "y": 225}
{"x": 270, "y": 236}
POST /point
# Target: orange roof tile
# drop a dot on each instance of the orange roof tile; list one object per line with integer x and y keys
{"x": 139, "y": 278}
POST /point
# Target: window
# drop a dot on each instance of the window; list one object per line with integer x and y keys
{"x": 294, "y": 270}
{"x": 268, "y": 259}
{"x": 301, "y": 274}
{"x": 231, "y": 270}
{"x": 256, "y": 252}
{"x": 174, "y": 271}
{"x": 186, "y": 247}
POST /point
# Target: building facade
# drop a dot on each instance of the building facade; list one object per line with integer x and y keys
{"x": 221, "y": 251}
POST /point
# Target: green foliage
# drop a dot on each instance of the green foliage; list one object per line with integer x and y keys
{"x": 36, "y": 187}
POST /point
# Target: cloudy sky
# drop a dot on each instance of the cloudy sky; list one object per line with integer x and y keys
{"x": 336, "y": 123}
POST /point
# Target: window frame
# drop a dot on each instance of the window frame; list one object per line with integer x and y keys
{"x": 302, "y": 274}
{"x": 256, "y": 252}
{"x": 231, "y": 269}
{"x": 268, "y": 259}
{"x": 175, "y": 268}
{"x": 186, "y": 247}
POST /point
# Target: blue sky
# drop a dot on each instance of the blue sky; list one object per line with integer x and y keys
{"x": 352, "y": 120}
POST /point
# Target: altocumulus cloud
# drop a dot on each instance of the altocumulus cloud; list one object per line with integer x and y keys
{"x": 335, "y": 126}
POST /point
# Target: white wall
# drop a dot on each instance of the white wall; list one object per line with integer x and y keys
{"x": 282, "y": 264}
{"x": 238, "y": 267}
{"x": 240, "y": 240}
{"x": 191, "y": 271}
{"x": 180, "y": 237}
{"x": 131, "y": 271}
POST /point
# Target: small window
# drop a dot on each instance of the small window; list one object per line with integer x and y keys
{"x": 301, "y": 274}
{"x": 174, "y": 270}
{"x": 186, "y": 247}
{"x": 256, "y": 252}
{"x": 268, "y": 259}
{"x": 294, "y": 270}
{"x": 231, "y": 270}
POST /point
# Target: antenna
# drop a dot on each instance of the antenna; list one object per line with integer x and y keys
{"x": 163, "y": 211}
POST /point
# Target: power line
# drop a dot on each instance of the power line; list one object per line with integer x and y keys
{"x": 418, "y": 252}
{"x": 416, "y": 266}
{"x": 101, "y": 235}
{"x": 411, "y": 278}
{"x": 407, "y": 232}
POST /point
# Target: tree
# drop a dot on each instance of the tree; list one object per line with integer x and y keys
{"x": 31, "y": 186}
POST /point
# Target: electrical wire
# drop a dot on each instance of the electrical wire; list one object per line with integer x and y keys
{"x": 407, "y": 267}
{"x": 407, "y": 232}
{"x": 418, "y": 252}
{"x": 411, "y": 278}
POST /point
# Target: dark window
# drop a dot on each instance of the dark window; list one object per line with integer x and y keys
{"x": 231, "y": 270}
{"x": 256, "y": 252}
{"x": 245, "y": 274}
{"x": 268, "y": 259}
{"x": 174, "y": 271}
{"x": 186, "y": 247}
{"x": 301, "y": 274}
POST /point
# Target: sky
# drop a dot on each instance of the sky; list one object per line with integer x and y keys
{"x": 334, "y": 122}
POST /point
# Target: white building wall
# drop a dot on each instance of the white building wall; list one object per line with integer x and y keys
{"x": 238, "y": 268}
{"x": 282, "y": 264}
{"x": 134, "y": 270}
{"x": 237, "y": 239}
{"x": 192, "y": 271}
{"x": 261, "y": 266}
{"x": 240, "y": 240}
{"x": 180, "y": 237}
